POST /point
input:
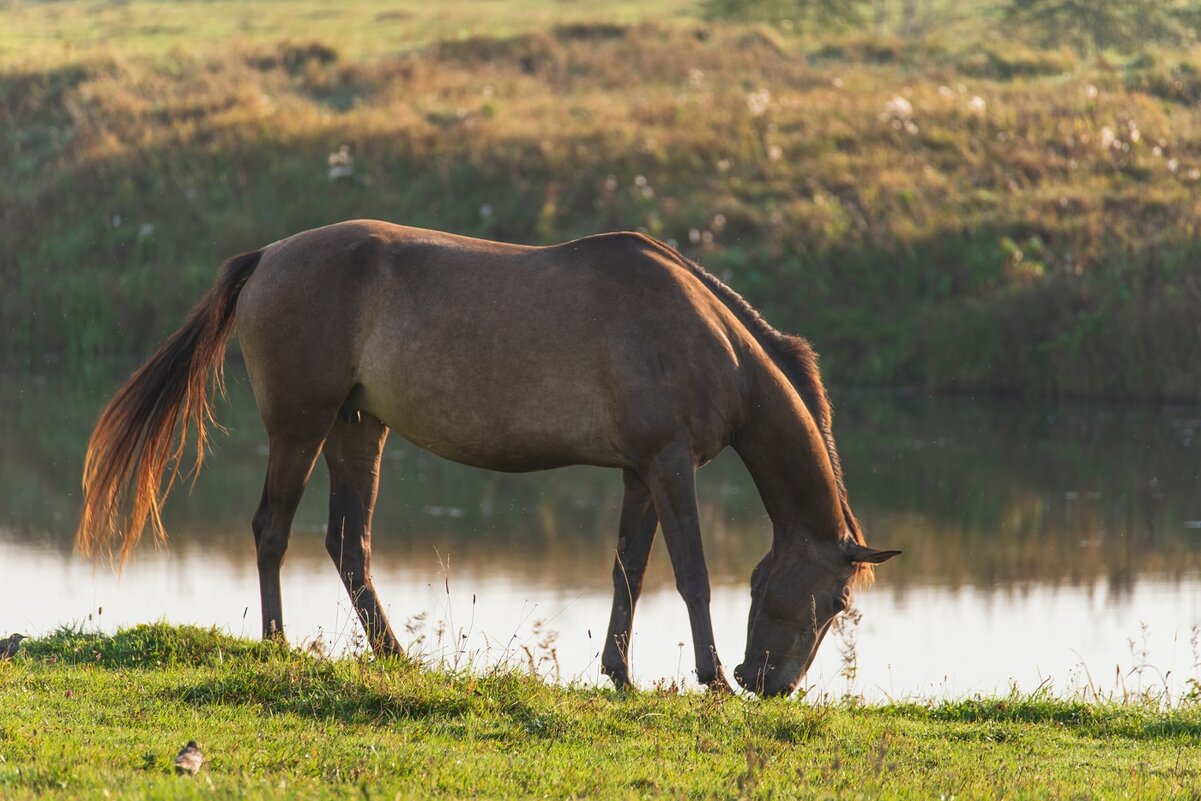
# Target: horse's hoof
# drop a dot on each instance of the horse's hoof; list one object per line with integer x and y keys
{"x": 719, "y": 684}
{"x": 388, "y": 648}
{"x": 619, "y": 677}
{"x": 720, "y": 687}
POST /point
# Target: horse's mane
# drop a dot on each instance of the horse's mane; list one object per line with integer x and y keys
{"x": 799, "y": 363}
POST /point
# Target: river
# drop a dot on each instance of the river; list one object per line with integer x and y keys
{"x": 1052, "y": 545}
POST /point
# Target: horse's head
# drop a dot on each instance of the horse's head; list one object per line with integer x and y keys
{"x": 795, "y": 595}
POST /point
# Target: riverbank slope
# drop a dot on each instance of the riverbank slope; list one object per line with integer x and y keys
{"x": 952, "y": 209}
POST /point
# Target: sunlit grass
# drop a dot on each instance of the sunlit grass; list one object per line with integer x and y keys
{"x": 70, "y": 30}
{"x": 97, "y": 714}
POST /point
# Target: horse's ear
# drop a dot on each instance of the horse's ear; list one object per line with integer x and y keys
{"x": 861, "y": 553}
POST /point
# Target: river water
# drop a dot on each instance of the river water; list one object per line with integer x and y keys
{"x": 1052, "y": 545}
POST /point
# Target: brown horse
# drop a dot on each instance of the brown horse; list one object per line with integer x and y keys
{"x": 613, "y": 350}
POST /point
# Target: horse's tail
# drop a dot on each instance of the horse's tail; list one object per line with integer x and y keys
{"x": 135, "y": 442}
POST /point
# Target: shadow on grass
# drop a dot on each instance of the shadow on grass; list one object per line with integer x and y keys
{"x": 1136, "y": 718}
{"x": 275, "y": 679}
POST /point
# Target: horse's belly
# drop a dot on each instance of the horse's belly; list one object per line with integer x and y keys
{"x": 511, "y": 426}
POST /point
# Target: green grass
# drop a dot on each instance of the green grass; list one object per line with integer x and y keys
{"x": 89, "y": 715}
{"x": 1044, "y": 242}
{"x": 41, "y": 33}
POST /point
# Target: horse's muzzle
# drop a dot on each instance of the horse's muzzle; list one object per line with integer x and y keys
{"x": 751, "y": 677}
{"x": 763, "y": 679}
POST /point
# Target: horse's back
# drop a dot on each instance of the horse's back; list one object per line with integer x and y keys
{"x": 498, "y": 355}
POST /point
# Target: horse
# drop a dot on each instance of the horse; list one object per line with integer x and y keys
{"x": 612, "y": 350}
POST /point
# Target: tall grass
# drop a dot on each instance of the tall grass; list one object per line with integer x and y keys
{"x": 958, "y": 213}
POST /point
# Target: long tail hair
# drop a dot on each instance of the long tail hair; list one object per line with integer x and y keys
{"x": 135, "y": 442}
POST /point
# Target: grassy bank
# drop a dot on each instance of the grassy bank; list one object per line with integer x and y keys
{"x": 952, "y": 209}
{"x": 91, "y": 715}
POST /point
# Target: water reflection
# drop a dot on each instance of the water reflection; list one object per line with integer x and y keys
{"x": 1037, "y": 538}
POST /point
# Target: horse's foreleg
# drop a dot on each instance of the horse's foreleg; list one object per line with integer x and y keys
{"x": 288, "y": 467}
{"x": 636, "y": 534}
{"x": 352, "y": 452}
{"x": 672, "y": 481}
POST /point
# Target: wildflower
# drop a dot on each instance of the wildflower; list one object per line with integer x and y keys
{"x": 837, "y": 82}
{"x": 775, "y": 152}
{"x": 341, "y": 163}
{"x": 696, "y": 78}
{"x": 758, "y": 102}
{"x": 946, "y": 91}
{"x": 898, "y": 108}
{"x": 719, "y": 221}
{"x": 1091, "y": 92}
{"x": 1107, "y": 138}
{"x": 640, "y": 180}
{"x": 145, "y": 230}
{"x": 694, "y": 236}
{"x": 977, "y": 105}
{"x": 723, "y": 165}
{"x": 486, "y": 211}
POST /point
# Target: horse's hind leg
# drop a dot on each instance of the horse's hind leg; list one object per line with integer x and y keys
{"x": 636, "y": 535}
{"x": 289, "y": 463}
{"x": 352, "y": 452}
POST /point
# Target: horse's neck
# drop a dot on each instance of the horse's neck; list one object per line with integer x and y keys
{"x": 786, "y": 456}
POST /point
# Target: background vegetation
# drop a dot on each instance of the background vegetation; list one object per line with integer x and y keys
{"x": 961, "y": 196}
{"x": 89, "y": 715}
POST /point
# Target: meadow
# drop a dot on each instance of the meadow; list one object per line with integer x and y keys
{"x": 91, "y": 715}
{"x": 951, "y": 207}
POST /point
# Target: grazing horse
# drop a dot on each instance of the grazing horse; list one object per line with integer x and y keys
{"x": 612, "y": 350}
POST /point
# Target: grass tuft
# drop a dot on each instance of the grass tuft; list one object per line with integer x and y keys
{"x": 148, "y": 646}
